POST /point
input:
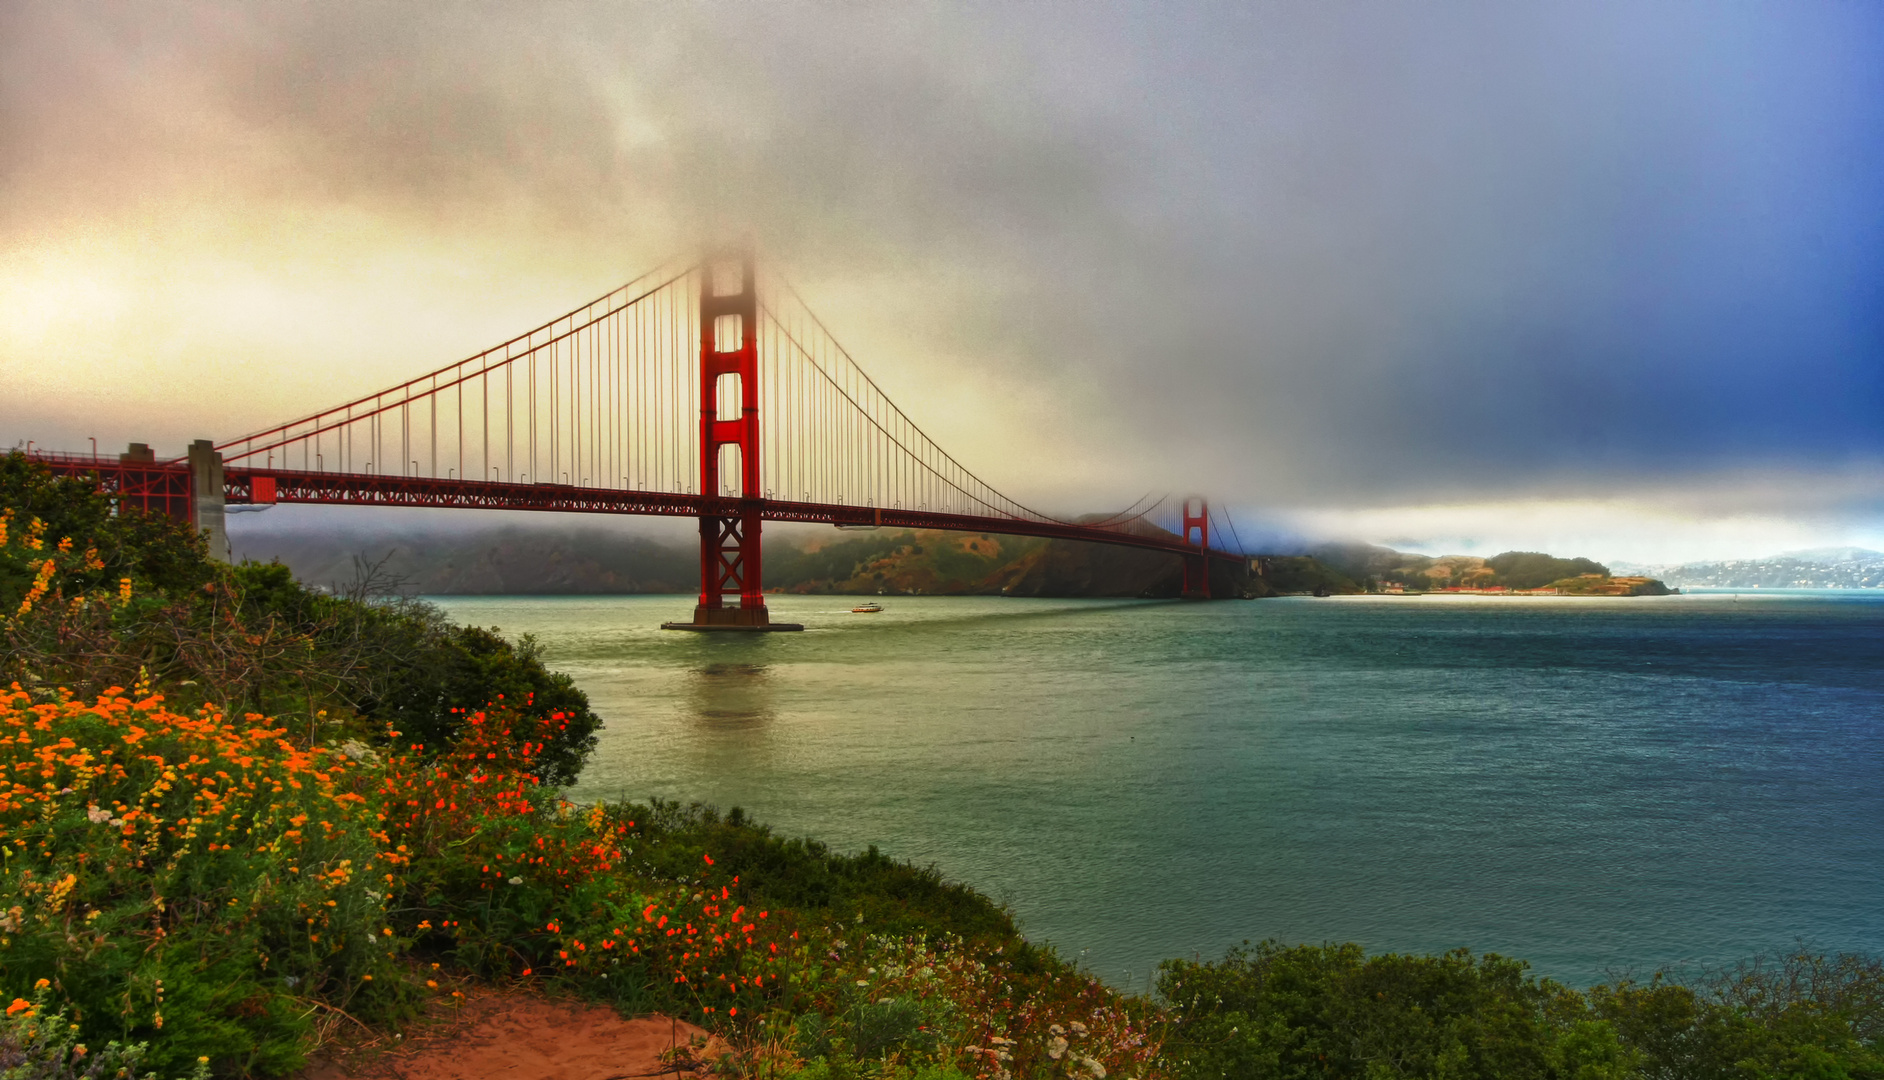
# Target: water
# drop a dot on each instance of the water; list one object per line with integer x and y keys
{"x": 1593, "y": 785}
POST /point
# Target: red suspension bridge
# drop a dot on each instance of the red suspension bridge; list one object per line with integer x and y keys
{"x": 702, "y": 390}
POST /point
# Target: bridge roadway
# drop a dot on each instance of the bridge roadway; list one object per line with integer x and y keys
{"x": 150, "y": 483}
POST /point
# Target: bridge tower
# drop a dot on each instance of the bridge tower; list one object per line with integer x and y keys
{"x": 730, "y": 560}
{"x": 1197, "y": 531}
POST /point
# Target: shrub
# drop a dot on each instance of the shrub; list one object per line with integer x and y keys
{"x": 185, "y": 880}
{"x": 1274, "y": 1011}
{"x": 1804, "y": 1015}
{"x": 93, "y": 598}
{"x": 1331, "y": 1010}
{"x": 40, "y": 1043}
{"x": 159, "y": 552}
{"x": 463, "y": 668}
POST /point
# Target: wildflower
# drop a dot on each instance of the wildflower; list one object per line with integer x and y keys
{"x": 19, "y": 1005}
{"x": 42, "y": 984}
{"x": 517, "y": 880}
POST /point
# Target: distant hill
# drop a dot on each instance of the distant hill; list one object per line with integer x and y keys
{"x": 512, "y": 560}
{"x": 519, "y": 560}
{"x": 1379, "y": 567}
{"x": 936, "y": 563}
{"x": 1606, "y": 585}
{"x": 1819, "y": 568}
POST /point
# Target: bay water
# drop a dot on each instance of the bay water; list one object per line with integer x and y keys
{"x": 1596, "y": 785}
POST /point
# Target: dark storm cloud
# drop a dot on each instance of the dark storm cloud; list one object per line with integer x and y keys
{"x": 1297, "y": 252}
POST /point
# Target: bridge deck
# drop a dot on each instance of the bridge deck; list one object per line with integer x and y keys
{"x": 366, "y": 489}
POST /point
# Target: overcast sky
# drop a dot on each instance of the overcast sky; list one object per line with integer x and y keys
{"x": 1606, "y": 279}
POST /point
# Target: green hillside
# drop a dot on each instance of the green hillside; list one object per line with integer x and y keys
{"x": 1384, "y": 569}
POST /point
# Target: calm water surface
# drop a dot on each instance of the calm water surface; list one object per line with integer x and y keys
{"x": 1590, "y": 784}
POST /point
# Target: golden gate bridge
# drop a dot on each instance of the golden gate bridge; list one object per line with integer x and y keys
{"x": 701, "y": 389}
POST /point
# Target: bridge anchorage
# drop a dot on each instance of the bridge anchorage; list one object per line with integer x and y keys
{"x": 706, "y": 390}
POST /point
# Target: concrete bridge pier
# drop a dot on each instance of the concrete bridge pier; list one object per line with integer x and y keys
{"x": 206, "y": 497}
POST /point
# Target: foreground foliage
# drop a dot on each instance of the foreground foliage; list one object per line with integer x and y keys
{"x": 92, "y": 599}
{"x": 1270, "y": 1011}
{"x": 211, "y": 886}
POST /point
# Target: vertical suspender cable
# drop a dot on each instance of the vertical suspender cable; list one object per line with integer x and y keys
{"x": 532, "y": 392}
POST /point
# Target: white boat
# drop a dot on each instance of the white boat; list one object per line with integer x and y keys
{"x": 866, "y": 608}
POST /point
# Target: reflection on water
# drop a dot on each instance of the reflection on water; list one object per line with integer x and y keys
{"x": 732, "y": 696}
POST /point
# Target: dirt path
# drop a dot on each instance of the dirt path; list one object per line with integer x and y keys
{"x": 507, "y": 1035}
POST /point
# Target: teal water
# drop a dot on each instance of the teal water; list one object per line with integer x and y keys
{"x": 1594, "y": 785}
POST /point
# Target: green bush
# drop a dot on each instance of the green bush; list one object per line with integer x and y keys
{"x": 872, "y": 1030}
{"x": 849, "y": 1070}
{"x": 1331, "y": 1010}
{"x": 1318, "y": 1011}
{"x": 159, "y": 552}
{"x": 38, "y": 1042}
{"x": 462, "y": 668}
{"x": 1804, "y": 1015}
{"x": 888, "y": 896}
{"x": 249, "y": 638}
